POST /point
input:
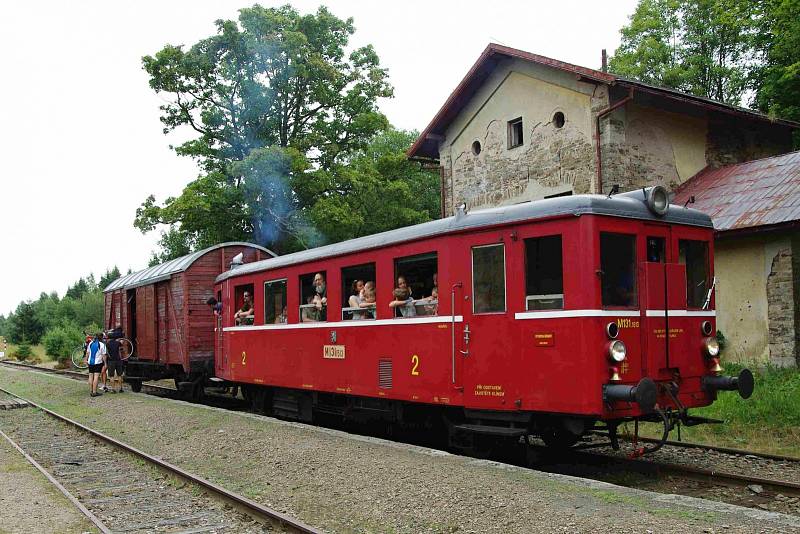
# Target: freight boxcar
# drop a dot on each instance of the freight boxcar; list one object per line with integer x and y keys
{"x": 163, "y": 311}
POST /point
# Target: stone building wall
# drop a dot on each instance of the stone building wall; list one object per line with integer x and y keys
{"x": 731, "y": 140}
{"x": 781, "y": 310}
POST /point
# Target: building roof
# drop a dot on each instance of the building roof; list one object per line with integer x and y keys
{"x": 756, "y": 194}
{"x": 427, "y": 145}
{"x": 167, "y": 269}
{"x": 628, "y": 205}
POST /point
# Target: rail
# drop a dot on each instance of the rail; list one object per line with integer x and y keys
{"x": 253, "y": 508}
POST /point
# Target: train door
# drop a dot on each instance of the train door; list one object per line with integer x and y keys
{"x": 487, "y": 358}
{"x": 162, "y": 324}
{"x": 220, "y": 341}
{"x": 658, "y": 277}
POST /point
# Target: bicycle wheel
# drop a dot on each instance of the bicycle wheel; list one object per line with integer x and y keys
{"x": 125, "y": 349}
{"x": 79, "y": 358}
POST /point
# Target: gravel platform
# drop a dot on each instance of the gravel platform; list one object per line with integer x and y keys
{"x": 30, "y": 503}
{"x": 344, "y": 483}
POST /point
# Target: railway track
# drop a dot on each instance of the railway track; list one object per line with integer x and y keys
{"x": 122, "y": 489}
{"x": 673, "y": 467}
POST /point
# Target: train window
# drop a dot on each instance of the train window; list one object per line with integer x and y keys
{"x": 618, "y": 269}
{"x": 544, "y": 275}
{"x": 694, "y": 254}
{"x": 275, "y": 302}
{"x": 489, "y": 279}
{"x": 358, "y": 292}
{"x": 313, "y": 297}
{"x": 416, "y": 290}
{"x": 656, "y": 252}
{"x": 245, "y": 313}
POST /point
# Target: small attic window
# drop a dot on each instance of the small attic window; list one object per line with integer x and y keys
{"x": 476, "y": 147}
{"x": 515, "y": 133}
{"x": 558, "y": 119}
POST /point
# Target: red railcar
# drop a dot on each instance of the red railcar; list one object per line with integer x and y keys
{"x": 163, "y": 311}
{"x": 552, "y": 315}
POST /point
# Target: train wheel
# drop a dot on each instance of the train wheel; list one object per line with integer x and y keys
{"x": 136, "y": 385}
{"x": 556, "y": 437}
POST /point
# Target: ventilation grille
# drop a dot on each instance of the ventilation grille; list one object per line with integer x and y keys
{"x": 385, "y": 374}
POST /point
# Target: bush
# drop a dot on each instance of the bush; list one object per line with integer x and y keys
{"x": 61, "y": 340}
{"x": 23, "y": 351}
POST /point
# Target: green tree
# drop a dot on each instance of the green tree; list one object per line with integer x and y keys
{"x": 25, "y": 326}
{"x": 108, "y": 277}
{"x": 61, "y": 340}
{"x": 77, "y": 290}
{"x": 275, "y": 79}
{"x": 777, "y": 80}
{"x": 3, "y": 326}
{"x": 703, "y": 47}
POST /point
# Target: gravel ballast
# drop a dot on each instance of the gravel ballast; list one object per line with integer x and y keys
{"x": 344, "y": 483}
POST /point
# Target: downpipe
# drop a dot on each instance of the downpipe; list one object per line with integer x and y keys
{"x": 744, "y": 383}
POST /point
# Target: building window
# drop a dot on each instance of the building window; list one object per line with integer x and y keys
{"x": 476, "y": 147}
{"x": 515, "y": 133}
{"x": 313, "y": 297}
{"x": 489, "y": 279}
{"x": 416, "y": 291}
{"x": 618, "y": 270}
{"x": 694, "y": 255}
{"x": 544, "y": 278}
{"x": 245, "y": 313}
{"x": 358, "y": 292}
{"x": 275, "y": 302}
{"x": 558, "y": 119}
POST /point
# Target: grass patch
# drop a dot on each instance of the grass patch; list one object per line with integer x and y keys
{"x": 39, "y": 354}
{"x": 694, "y": 515}
{"x": 767, "y": 422}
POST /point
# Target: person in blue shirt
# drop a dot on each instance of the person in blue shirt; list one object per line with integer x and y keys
{"x": 95, "y": 356}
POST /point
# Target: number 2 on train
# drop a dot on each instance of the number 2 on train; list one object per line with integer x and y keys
{"x": 415, "y": 365}
{"x": 244, "y": 358}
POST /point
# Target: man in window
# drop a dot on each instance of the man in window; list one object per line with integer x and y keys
{"x": 246, "y": 313}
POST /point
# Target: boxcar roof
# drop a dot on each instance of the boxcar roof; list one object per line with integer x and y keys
{"x": 628, "y": 205}
{"x": 167, "y": 269}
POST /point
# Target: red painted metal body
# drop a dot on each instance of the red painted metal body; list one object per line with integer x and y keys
{"x": 552, "y": 361}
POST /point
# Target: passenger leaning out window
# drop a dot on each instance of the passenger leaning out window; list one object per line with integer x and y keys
{"x": 403, "y": 300}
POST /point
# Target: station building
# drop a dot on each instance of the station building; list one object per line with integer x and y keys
{"x": 522, "y": 127}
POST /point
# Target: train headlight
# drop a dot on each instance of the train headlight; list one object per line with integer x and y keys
{"x": 658, "y": 200}
{"x": 711, "y": 346}
{"x": 612, "y": 330}
{"x": 617, "y": 351}
{"x": 706, "y": 328}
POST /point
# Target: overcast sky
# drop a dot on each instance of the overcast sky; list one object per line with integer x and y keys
{"x": 81, "y": 143}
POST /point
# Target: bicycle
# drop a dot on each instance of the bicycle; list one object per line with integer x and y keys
{"x": 79, "y": 354}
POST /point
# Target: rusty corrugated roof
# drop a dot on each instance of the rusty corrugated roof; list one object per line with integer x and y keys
{"x": 756, "y": 193}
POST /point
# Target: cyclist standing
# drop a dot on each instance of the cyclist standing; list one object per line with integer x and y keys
{"x": 95, "y": 354}
{"x": 114, "y": 364}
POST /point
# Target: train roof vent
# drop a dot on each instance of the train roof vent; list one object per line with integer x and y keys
{"x": 385, "y": 374}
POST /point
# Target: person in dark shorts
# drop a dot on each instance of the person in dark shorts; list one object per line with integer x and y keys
{"x": 95, "y": 356}
{"x": 114, "y": 367}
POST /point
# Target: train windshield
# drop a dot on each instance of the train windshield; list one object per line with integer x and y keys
{"x": 618, "y": 270}
{"x": 544, "y": 276}
{"x": 694, "y": 254}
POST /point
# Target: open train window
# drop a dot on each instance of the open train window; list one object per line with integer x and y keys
{"x": 313, "y": 297}
{"x": 544, "y": 275}
{"x": 358, "y": 292}
{"x": 243, "y": 297}
{"x": 694, "y": 254}
{"x": 618, "y": 269}
{"x": 416, "y": 290}
{"x": 489, "y": 279}
{"x": 275, "y": 302}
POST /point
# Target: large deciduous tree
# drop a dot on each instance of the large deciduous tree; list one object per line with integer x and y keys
{"x": 778, "y": 77}
{"x": 274, "y": 99}
{"x": 703, "y": 47}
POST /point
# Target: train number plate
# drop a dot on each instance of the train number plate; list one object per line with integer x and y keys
{"x": 544, "y": 339}
{"x": 333, "y": 352}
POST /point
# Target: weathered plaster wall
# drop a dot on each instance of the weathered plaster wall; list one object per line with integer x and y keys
{"x": 644, "y": 146}
{"x": 756, "y": 308}
{"x": 551, "y": 160}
